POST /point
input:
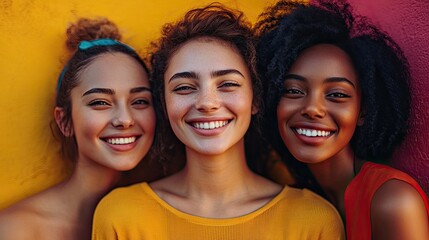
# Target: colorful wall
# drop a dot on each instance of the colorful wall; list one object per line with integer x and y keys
{"x": 407, "y": 21}
{"x": 32, "y": 50}
{"x": 32, "y": 53}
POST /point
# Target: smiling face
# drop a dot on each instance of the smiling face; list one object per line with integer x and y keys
{"x": 320, "y": 107}
{"x": 208, "y": 96}
{"x": 112, "y": 112}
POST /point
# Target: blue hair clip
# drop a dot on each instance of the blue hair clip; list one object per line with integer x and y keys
{"x": 85, "y": 45}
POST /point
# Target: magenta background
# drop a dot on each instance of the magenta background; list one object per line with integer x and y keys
{"x": 407, "y": 21}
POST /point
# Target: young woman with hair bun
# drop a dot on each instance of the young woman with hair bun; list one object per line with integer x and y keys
{"x": 105, "y": 117}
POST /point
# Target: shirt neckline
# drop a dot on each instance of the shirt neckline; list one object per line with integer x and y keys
{"x": 214, "y": 221}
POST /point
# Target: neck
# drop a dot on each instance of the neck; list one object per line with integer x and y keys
{"x": 91, "y": 183}
{"x": 217, "y": 175}
{"x": 334, "y": 175}
{"x": 82, "y": 192}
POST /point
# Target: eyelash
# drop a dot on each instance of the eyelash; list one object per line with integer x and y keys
{"x": 183, "y": 88}
{"x": 144, "y": 101}
{"x": 230, "y": 84}
{"x": 101, "y": 103}
{"x": 98, "y": 103}
{"x": 294, "y": 92}
{"x": 338, "y": 95}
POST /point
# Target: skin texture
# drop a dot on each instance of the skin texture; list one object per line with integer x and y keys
{"x": 226, "y": 98}
{"x": 321, "y": 93}
{"x": 65, "y": 210}
{"x": 207, "y": 80}
{"x": 313, "y": 100}
{"x": 113, "y": 104}
{"x": 398, "y": 212}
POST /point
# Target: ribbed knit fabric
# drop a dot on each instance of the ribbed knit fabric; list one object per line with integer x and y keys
{"x": 136, "y": 212}
{"x": 359, "y": 194}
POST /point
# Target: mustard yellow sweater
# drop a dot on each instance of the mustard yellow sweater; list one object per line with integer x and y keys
{"x": 136, "y": 212}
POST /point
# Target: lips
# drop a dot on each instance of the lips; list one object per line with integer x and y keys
{"x": 121, "y": 141}
{"x": 209, "y": 125}
{"x": 312, "y": 136}
{"x": 312, "y": 132}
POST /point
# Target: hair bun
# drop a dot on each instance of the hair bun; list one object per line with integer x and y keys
{"x": 90, "y": 29}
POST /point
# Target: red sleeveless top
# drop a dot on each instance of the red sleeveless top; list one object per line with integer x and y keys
{"x": 359, "y": 194}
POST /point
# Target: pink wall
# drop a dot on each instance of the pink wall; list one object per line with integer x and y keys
{"x": 407, "y": 21}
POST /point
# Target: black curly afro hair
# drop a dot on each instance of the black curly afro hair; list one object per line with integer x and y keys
{"x": 288, "y": 28}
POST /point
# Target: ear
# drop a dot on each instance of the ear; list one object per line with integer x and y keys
{"x": 59, "y": 116}
{"x": 255, "y": 109}
{"x": 361, "y": 119}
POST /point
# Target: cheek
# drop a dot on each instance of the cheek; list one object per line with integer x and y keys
{"x": 348, "y": 120}
{"x": 147, "y": 120}
{"x": 283, "y": 115}
{"x": 239, "y": 101}
{"x": 174, "y": 106}
{"x": 84, "y": 123}
{"x": 284, "y": 110}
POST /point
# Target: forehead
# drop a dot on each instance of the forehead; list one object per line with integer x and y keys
{"x": 325, "y": 60}
{"x": 113, "y": 68}
{"x": 206, "y": 54}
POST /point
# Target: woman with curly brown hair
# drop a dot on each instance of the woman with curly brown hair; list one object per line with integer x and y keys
{"x": 104, "y": 113}
{"x": 337, "y": 88}
{"x": 204, "y": 76}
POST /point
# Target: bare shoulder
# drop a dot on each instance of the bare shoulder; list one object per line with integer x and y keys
{"x": 17, "y": 222}
{"x": 398, "y": 212}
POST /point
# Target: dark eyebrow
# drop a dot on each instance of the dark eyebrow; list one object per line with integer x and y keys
{"x": 140, "y": 89}
{"x": 99, "y": 90}
{"x": 295, "y": 77}
{"x": 340, "y": 79}
{"x": 192, "y": 75}
{"x": 225, "y": 72}
{"x": 328, "y": 80}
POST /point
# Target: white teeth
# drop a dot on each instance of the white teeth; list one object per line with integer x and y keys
{"x": 209, "y": 125}
{"x": 119, "y": 141}
{"x": 312, "y": 132}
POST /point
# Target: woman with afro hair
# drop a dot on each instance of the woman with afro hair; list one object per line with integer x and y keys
{"x": 337, "y": 88}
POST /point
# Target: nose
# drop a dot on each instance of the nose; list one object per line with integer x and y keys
{"x": 314, "y": 107}
{"x": 207, "y": 100}
{"x": 123, "y": 118}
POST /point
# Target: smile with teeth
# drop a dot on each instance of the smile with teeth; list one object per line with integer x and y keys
{"x": 209, "y": 125}
{"x": 121, "y": 141}
{"x": 312, "y": 132}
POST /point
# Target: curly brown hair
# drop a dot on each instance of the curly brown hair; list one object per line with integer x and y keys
{"x": 213, "y": 21}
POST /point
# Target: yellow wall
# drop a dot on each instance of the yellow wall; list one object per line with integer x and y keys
{"x": 32, "y": 53}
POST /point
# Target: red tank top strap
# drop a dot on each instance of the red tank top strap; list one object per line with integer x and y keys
{"x": 359, "y": 194}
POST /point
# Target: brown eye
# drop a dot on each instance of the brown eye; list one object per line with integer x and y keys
{"x": 184, "y": 89}
{"x": 292, "y": 93}
{"x": 229, "y": 84}
{"x": 141, "y": 102}
{"x": 338, "y": 95}
{"x": 98, "y": 103}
